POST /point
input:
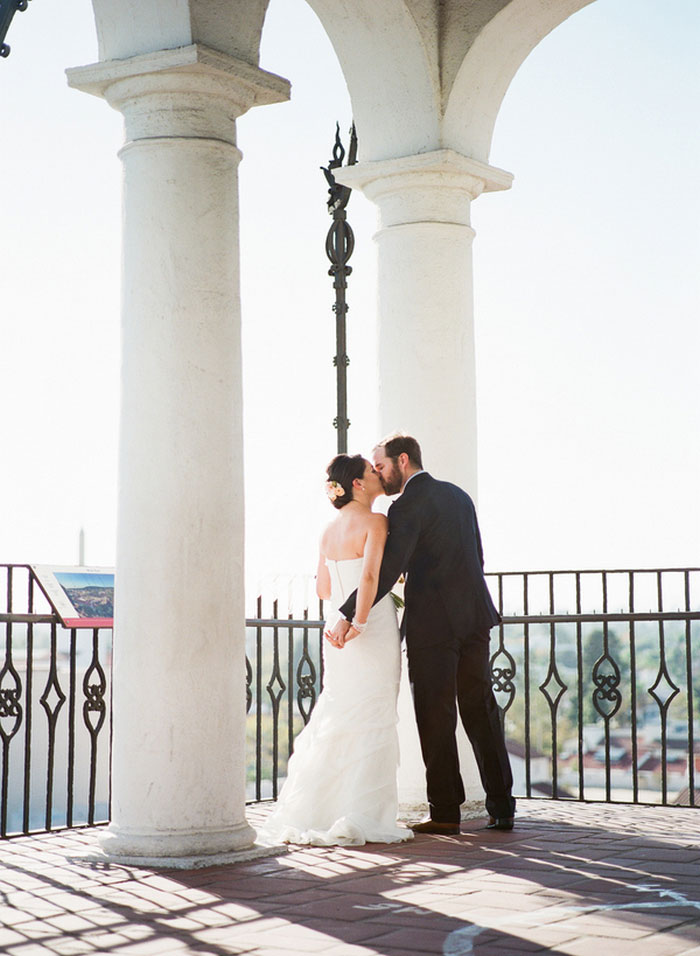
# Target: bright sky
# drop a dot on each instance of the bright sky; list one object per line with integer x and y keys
{"x": 587, "y": 292}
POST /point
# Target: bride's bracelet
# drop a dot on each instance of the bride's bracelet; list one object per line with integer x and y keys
{"x": 358, "y": 627}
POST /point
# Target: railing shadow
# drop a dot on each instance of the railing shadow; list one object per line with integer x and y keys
{"x": 544, "y": 884}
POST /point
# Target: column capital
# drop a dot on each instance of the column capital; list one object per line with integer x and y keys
{"x": 191, "y": 91}
{"x": 437, "y": 186}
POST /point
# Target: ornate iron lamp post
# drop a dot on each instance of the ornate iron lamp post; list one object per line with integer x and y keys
{"x": 340, "y": 243}
{"x": 8, "y": 8}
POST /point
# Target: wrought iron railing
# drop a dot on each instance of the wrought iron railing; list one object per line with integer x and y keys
{"x": 597, "y": 674}
{"x": 284, "y": 677}
{"x": 55, "y": 688}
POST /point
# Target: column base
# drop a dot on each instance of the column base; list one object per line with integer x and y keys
{"x": 178, "y": 850}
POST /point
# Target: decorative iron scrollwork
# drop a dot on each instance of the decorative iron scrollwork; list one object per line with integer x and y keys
{"x": 606, "y": 677}
{"x": 307, "y": 685}
{"x": 94, "y": 688}
{"x": 10, "y": 706}
{"x": 502, "y": 675}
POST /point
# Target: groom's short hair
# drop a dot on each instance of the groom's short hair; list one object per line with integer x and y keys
{"x": 395, "y": 445}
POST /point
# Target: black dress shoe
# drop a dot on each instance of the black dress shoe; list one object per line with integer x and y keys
{"x": 500, "y": 823}
{"x": 433, "y": 826}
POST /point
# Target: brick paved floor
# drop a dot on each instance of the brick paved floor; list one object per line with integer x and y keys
{"x": 575, "y": 879}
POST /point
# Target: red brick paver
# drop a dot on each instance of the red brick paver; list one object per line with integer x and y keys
{"x": 571, "y": 879}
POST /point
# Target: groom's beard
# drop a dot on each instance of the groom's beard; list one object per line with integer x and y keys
{"x": 391, "y": 482}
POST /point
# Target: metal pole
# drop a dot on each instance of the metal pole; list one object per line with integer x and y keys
{"x": 340, "y": 243}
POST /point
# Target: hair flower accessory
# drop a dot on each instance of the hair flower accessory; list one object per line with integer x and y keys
{"x": 334, "y": 490}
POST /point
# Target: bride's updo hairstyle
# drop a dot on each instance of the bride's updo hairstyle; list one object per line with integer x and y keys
{"x": 341, "y": 472}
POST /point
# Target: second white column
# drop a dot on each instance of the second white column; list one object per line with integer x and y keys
{"x": 425, "y": 305}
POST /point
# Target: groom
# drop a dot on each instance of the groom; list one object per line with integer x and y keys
{"x": 434, "y": 540}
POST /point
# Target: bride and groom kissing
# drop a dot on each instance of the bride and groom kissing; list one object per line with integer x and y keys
{"x": 341, "y": 785}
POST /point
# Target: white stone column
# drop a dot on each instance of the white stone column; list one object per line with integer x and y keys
{"x": 425, "y": 305}
{"x": 178, "y": 755}
{"x": 427, "y": 372}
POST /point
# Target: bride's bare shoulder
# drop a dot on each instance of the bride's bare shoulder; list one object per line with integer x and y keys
{"x": 329, "y": 532}
{"x": 377, "y": 521}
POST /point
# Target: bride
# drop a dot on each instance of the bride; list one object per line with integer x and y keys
{"x": 341, "y": 782}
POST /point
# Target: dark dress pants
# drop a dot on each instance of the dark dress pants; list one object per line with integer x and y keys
{"x": 446, "y": 678}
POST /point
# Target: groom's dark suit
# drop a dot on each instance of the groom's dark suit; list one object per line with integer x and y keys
{"x": 434, "y": 540}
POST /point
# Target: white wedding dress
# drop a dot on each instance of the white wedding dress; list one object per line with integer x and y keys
{"x": 341, "y": 782}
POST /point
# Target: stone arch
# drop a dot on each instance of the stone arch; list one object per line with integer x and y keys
{"x": 492, "y": 61}
{"x": 391, "y": 70}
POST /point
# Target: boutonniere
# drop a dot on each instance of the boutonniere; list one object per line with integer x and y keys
{"x": 399, "y": 602}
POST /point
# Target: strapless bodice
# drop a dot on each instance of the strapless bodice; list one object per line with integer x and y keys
{"x": 345, "y": 576}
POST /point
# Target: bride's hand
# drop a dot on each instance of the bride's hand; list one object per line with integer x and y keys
{"x": 337, "y": 635}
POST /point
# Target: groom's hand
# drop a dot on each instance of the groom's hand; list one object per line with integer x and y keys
{"x": 337, "y": 634}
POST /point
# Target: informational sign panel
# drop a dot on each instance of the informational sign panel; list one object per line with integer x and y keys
{"x": 82, "y": 597}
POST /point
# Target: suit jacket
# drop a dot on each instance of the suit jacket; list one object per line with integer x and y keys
{"x": 434, "y": 541}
